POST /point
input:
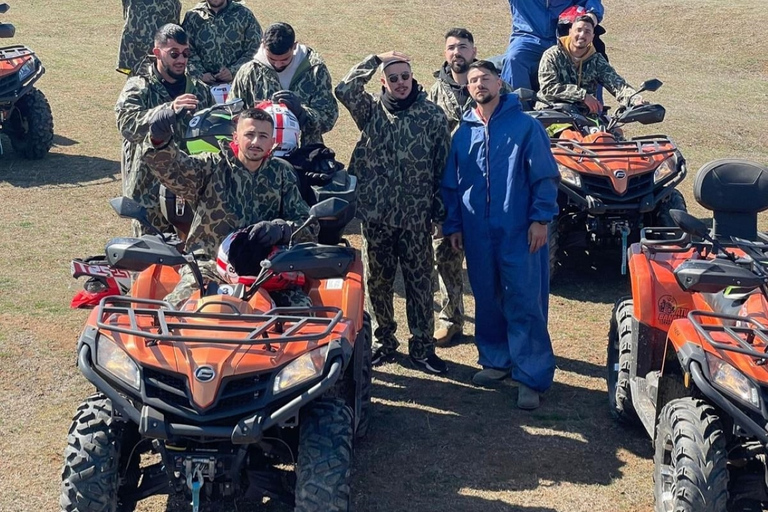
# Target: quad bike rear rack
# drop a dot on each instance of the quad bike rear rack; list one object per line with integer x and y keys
{"x": 740, "y": 332}
{"x": 16, "y": 51}
{"x": 618, "y": 149}
{"x": 276, "y": 326}
{"x": 665, "y": 239}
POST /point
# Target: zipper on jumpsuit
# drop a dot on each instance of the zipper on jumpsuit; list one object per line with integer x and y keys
{"x": 487, "y": 169}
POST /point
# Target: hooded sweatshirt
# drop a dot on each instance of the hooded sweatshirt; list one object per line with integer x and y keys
{"x": 565, "y": 79}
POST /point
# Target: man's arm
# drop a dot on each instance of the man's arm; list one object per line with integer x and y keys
{"x": 612, "y": 81}
{"x": 241, "y": 86}
{"x": 352, "y": 94}
{"x": 543, "y": 175}
{"x": 551, "y": 89}
{"x": 194, "y": 64}
{"x": 182, "y": 174}
{"x": 132, "y": 111}
{"x": 594, "y": 6}
{"x": 251, "y": 42}
{"x": 449, "y": 188}
{"x": 322, "y": 109}
{"x": 441, "y": 146}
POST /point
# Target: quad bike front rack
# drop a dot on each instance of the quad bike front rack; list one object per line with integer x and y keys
{"x": 161, "y": 322}
{"x": 733, "y": 333}
{"x": 659, "y": 145}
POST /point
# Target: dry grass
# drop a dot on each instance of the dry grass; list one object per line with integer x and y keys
{"x": 436, "y": 443}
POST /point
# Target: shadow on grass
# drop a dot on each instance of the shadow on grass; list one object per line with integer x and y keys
{"x": 591, "y": 277}
{"x": 437, "y": 445}
{"x": 56, "y": 169}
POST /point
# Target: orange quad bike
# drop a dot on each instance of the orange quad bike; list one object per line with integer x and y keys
{"x": 25, "y": 115}
{"x": 611, "y": 187}
{"x": 687, "y": 352}
{"x": 227, "y": 396}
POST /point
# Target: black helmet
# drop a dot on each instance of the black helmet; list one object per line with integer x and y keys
{"x": 211, "y": 125}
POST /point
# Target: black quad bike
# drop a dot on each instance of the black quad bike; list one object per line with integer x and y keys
{"x": 610, "y": 186}
{"x": 25, "y": 115}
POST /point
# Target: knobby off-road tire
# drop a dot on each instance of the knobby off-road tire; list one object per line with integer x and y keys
{"x": 90, "y": 479}
{"x": 366, "y": 338}
{"x": 553, "y": 241}
{"x": 661, "y": 217}
{"x": 690, "y": 472}
{"x": 325, "y": 457}
{"x": 30, "y": 126}
{"x": 618, "y": 362}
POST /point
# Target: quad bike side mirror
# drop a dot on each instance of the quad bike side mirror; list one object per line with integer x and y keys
{"x": 4, "y": 8}
{"x": 650, "y": 85}
{"x": 690, "y": 224}
{"x": 127, "y": 208}
{"x": 7, "y": 30}
{"x": 525, "y": 94}
{"x": 329, "y": 209}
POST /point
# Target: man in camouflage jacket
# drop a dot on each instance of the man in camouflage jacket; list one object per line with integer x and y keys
{"x": 161, "y": 83}
{"x": 142, "y": 20}
{"x": 571, "y": 71}
{"x": 294, "y": 74}
{"x": 399, "y": 162}
{"x": 224, "y": 35}
{"x": 237, "y": 187}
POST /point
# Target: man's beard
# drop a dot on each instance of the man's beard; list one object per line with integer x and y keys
{"x": 459, "y": 66}
{"x": 482, "y": 100}
{"x": 172, "y": 74}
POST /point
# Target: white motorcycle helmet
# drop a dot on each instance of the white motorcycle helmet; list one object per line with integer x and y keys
{"x": 225, "y": 269}
{"x": 287, "y": 131}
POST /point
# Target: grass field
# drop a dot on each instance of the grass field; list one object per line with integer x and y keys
{"x": 436, "y": 444}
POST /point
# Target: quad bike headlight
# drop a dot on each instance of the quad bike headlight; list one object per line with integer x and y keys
{"x": 26, "y": 70}
{"x": 304, "y": 368}
{"x": 665, "y": 170}
{"x": 569, "y": 176}
{"x": 732, "y": 381}
{"x": 117, "y": 362}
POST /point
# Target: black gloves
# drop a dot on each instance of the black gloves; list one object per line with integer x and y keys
{"x": 293, "y": 102}
{"x": 254, "y": 243}
{"x": 276, "y": 232}
{"x": 315, "y": 163}
{"x": 161, "y": 124}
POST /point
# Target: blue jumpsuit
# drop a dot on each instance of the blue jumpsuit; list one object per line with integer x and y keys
{"x": 498, "y": 180}
{"x": 534, "y": 29}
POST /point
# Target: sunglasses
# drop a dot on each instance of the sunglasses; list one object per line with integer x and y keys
{"x": 394, "y": 77}
{"x": 175, "y": 55}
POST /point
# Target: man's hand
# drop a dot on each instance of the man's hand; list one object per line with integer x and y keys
{"x": 388, "y": 57}
{"x": 224, "y": 75}
{"x": 594, "y": 106}
{"x": 457, "y": 241}
{"x": 437, "y": 231}
{"x": 537, "y": 236}
{"x": 185, "y": 101}
{"x": 161, "y": 124}
{"x": 208, "y": 78}
{"x": 291, "y": 100}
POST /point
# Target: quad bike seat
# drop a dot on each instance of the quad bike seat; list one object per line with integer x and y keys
{"x": 735, "y": 191}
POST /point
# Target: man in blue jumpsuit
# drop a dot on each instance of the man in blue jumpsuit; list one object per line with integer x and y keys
{"x": 534, "y": 29}
{"x": 500, "y": 193}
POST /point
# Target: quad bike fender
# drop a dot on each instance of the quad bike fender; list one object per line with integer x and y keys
{"x": 346, "y": 293}
{"x": 153, "y": 424}
{"x": 658, "y": 298}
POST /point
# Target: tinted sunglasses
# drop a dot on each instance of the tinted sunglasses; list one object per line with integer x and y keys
{"x": 394, "y": 77}
{"x": 175, "y": 55}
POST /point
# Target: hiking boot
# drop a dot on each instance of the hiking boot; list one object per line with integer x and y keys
{"x": 492, "y": 378}
{"x": 444, "y": 335}
{"x": 383, "y": 355}
{"x": 430, "y": 364}
{"x": 527, "y": 398}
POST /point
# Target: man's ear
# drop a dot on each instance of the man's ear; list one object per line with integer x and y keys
{"x": 156, "y": 52}
{"x": 383, "y": 80}
{"x": 474, "y": 52}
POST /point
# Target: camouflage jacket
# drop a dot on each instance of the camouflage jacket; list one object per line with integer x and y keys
{"x": 142, "y": 19}
{"x": 400, "y": 156}
{"x": 140, "y": 98}
{"x": 444, "y": 94}
{"x": 562, "y": 80}
{"x": 228, "y": 38}
{"x": 226, "y": 194}
{"x": 312, "y": 83}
